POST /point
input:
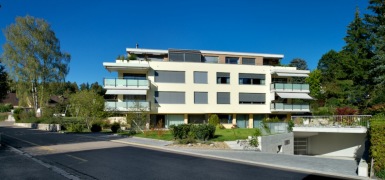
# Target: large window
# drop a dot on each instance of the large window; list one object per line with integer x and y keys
{"x": 200, "y": 77}
{"x": 168, "y": 97}
{"x": 252, "y": 98}
{"x": 138, "y": 98}
{"x": 223, "y": 97}
{"x": 223, "y": 78}
{"x": 232, "y": 60}
{"x": 200, "y": 97}
{"x": 170, "y": 76}
{"x": 249, "y": 61}
{"x": 210, "y": 59}
{"x": 225, "y": 118}
{"x": 184, "y": 55}
{"x": 245, "y": 78}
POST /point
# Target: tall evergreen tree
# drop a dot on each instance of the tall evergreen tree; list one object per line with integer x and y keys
{"x": 376, "y": 25}
{"x": 358, "y": 57}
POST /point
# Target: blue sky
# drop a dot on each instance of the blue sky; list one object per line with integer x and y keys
{"x": 97, "y": 31}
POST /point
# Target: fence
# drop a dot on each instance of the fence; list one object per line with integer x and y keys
{"x": 332, "y": 121}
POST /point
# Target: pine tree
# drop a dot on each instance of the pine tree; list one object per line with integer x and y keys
{"x": 376, "y": 25}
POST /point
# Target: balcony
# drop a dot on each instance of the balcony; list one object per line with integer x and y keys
{"x": 127, "y": 106}
{"x": 283, "y": 107}
{"x": 331, "y": 124}
{"x": 116, "y": 83}
{"x": 283, "y": 87}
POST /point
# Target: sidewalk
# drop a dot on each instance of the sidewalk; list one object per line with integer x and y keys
{"x": 314, "y": 164}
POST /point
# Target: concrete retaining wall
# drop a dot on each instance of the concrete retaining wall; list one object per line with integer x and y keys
{"x": 278, "y": 143}
{"x": 44, "y": 127}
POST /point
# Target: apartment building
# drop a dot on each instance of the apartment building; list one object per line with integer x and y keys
{"x": 186, "y": 86}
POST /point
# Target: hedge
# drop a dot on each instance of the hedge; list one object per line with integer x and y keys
{"x": 377, "y": 141}
{"x": 195, "y": 131}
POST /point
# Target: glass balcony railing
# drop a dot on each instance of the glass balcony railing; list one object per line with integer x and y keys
{"x": 115, "y": 82}
{"x": 289, "y": 107}
{"x": 127, "y": 106}
{"x": 290, "y": 87}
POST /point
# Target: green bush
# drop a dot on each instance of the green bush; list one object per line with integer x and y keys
{"x": 115, "y": 127}
{"x": 180, "y": 131}
{"x": 96, "y": 127}
{"x": 377, "y": 141}
{"x": 5, "y": 107}
{"x": 131, "y": 132}
{"x": 187, "y": 140}
{"x": 203, "y": 131}
{"x": 16, "y": 113}
{"x": 75, "y": 127}
{"x": 213, "y": 119}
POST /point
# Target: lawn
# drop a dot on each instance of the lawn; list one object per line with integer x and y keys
{"x": 220, "y": 135}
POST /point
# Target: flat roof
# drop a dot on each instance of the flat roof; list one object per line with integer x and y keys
{"x": 160, "y": 51}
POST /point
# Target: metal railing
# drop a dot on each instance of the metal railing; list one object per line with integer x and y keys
{"x": 127, "y": 106}
{"x": 332, "y": 121}
{"x": 116, "y": 82}
{"x": 289, "y": 107}
{"x": 290, "y": 87}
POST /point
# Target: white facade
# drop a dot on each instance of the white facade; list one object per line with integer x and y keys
{"x": 138, "y": 79}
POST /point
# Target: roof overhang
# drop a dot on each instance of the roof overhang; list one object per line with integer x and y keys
{"x": 294, "y": 96}
{"x": 160, "y": 52}
{"x": 290, "y": 72}
{"x": 126, "y": 66}
{"x": 127, "y": 92}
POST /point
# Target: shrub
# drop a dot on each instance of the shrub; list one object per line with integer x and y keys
{"x": 213, "y": 119}
{"x": 16, "y": 113}
{"x": 5, "y": 107}
{"x": 75, "y": 127}
{"x": 290, "y": 125}
{"x": 180, "y": 131}
{"x": 254, "y": 141}
{"x": 187, "y": 140}
{"x": 96, "y": 127}
{"x": 345, "y": 111}
{"x": 203, "y": 131}
{"x": 115, "y": 126}
{"x": 377, "y": 139}
{"x": 131, "y": 132}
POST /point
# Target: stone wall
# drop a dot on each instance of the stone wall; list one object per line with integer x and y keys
{"x": 44, "y": 127}
{"x": 278, "y": 143}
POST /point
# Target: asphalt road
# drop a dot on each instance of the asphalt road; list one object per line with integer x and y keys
{"x": 90, "y": 158}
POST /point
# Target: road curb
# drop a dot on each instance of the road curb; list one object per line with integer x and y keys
{"x": 51, "y": 167}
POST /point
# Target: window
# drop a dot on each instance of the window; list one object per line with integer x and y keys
{"x": 170, "y": 76}
{"x": 134, "y": 76}
{"x": 210, "y": 59}
{"x": 223, "y": 78}
{"x": 252, "y": 98}
{"x": 138, "y": 98}
{"x": 245, "y": 78}
{"x": 232, "y": 60}
{"x": 197, "y": 118}
{"x": 223, "y": 97}
{"x": 184, "y": 55}
{"x": 200, "y": 77}
{"x": 279, "y": 80}
{"x": 200, "y": 97}
{"x": 270, "y": 62}
{"x": 168, "y": 97}
{"x": 225, "y": 118}
{"x": 249, "y": 61}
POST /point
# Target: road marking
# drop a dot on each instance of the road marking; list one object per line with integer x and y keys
{"x": 31, "y": 143}
{"x": 78, "y": 158}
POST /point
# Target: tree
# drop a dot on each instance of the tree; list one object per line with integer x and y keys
{"x": 87, "y": 105}
{"x": 84, "y": 86}
{"x": 98, "y": 88}
{"x": 137, "y": 116}
{"x": 314, "y": 81}
{"x": 299, "y": 63}
{"x": 3, "y": 83}
{"x": 376, "y": 25}
{"x": 33, "y": 58}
